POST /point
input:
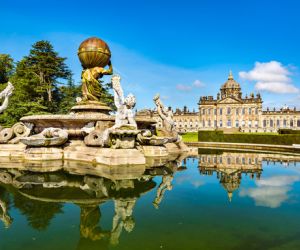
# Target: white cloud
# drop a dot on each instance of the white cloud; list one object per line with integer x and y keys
{"x": 270, "y": 76}
{"x": 271, "y": 192}
{"x": 198, "y": 84}
{"x": 186, "y": 87}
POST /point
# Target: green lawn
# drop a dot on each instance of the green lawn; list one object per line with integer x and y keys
{"x": 190, "y": 137}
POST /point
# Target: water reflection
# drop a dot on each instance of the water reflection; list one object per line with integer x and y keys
{"x": 188, "y": 193}
{"x": 41, "y": 196}
{"x": 230, "y": 167}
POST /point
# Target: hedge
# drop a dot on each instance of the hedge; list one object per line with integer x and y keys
{"x": 219, "y": 136}
{"x": 288, "y": 131}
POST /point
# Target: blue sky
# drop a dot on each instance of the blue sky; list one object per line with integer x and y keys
{"x": 180, "y": 49}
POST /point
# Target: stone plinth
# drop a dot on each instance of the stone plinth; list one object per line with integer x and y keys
{"x": 91, "y": 107}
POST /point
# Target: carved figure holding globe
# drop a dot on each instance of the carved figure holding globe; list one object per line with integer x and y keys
{"x": 91, "y": 86}
{"x": 94, "y": 55}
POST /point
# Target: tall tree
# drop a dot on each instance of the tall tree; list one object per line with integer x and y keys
{"x": 6, "y": 67}
{"x": 47, "y": 66}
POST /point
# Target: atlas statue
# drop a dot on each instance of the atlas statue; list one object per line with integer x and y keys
{"x": 94, "y": 55}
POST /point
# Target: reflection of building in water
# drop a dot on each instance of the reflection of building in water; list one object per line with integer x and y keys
{"x": 229, "y": 168}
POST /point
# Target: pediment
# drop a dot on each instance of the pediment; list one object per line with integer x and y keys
{"x": 230, "y": 100}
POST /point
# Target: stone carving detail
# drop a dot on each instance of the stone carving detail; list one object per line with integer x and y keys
{"x": 48, "y": 137}
{"x": 6, "y": 93}
{"x": 15, "y": 133}
{"x": 147, "y": 138}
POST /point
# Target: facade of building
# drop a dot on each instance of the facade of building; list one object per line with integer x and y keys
{"x": 232, "y": 112}
{"x": 184, "y": 119}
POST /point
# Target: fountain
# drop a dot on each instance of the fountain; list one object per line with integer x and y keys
{"x": 89, "y": 133}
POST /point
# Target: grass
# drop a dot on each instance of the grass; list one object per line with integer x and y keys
{"x": 190, "y": 137}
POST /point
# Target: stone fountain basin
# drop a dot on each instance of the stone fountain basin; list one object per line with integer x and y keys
{"x": 73, "y": 123}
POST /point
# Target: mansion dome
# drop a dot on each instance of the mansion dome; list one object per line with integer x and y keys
{"x": 231, "y": 88}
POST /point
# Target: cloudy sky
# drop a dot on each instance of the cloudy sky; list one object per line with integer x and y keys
{"x": 180, "y": 49}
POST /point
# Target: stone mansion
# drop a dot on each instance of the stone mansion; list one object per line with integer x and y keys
{"x": 231, "y": 112}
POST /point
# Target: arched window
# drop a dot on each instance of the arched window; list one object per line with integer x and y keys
{"x": 271, "y": 123}
{"x": 264, "y": 123}
{"x": 291, "y": 123}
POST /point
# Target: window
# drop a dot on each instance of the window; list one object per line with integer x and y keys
{"x": 243, "y": 123}
{"x": 243, "y": 111}
{"x": 228, "y": 160}
{"x": 291, "y": 123}
{"x": 209, "y": 123}
{"x": 236, "y": 123}
{"x": 215, "y": 123}
{"x": 298, "y": 123}
{"x": 249, "y": 124}
{"x": 256, "y": 111}
{"x": 237, "y": 111}
{"x": 215, "y": 111}
{"x": 229, "y": 123}
{"x": 228, "y": 111}
{"x": 278, "y": 123}
{"x": 221, "y": 124}
{"x": 208, "y": 111}
{"x": 271, "y": 123}
{"x": 284, "y": 123}
{"x": 256, "y": 124}
{"x": 264, "y": 123}
{"x": 220, "y": 111}
{"x": 203, "y": 123}
{"x": 249, "y": 111}
{"x": 203, "y": 111}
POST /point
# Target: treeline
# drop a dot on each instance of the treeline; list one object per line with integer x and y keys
{"x": 43, "y": 84}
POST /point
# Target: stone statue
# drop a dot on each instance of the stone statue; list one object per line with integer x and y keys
{"x": 6, "y": 93}
{"x": 125, "y": 114}
{"x": 91, "y": 85}
{"x": 168, "y": 129}
{"x": 123, "y": 133}
{"x": 165, "y": 115}
{"x": 48, "y": 137}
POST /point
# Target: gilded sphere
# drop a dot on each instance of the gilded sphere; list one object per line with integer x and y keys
{"x": 94, "y": 52}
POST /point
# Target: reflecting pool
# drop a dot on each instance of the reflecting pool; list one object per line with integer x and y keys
{"x": 216, "y": 200}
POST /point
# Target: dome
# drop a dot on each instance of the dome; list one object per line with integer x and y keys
{"x": 93, "y": 52}
{"x": 231, "y": 83}
{"x": 231, "y": 88}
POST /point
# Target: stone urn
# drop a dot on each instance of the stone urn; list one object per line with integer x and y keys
{"x": 123, "y": 137}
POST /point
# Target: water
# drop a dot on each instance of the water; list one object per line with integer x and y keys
{"x": 218, "y": 200}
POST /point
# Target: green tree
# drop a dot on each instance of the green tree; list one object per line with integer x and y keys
{"x": 67, "y": 94}
{"x": 48, "y": 67}
{"x": 6, "y": 67}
